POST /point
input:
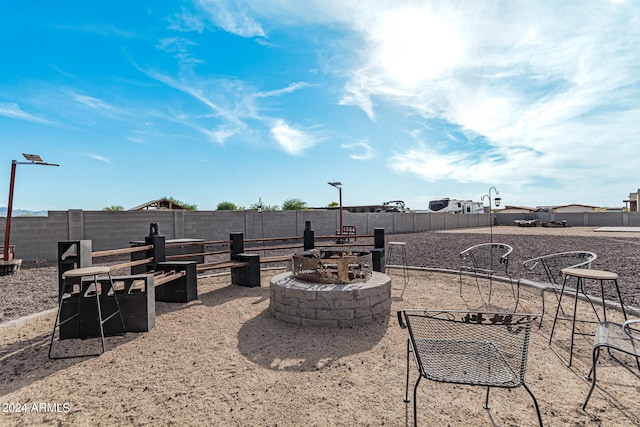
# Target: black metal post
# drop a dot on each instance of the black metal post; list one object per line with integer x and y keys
{"x": 237, "y": 244}
{"x": 309, "y": 242}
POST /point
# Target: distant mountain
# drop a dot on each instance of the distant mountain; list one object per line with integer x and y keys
{"x": 22, "y": 212}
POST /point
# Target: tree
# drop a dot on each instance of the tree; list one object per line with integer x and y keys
{"x": 114, "y": 208}
{"x": 294, "y": 205}
{"x": 226, "y": 206}
{"x": 333, "y": 205}
{"x": 264, "y": 207}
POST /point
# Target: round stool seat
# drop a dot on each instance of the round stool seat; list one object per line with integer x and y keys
{"x": 398, "y": 243}
{"x": 86, "y": 271}
{"x": 588, "y": 273}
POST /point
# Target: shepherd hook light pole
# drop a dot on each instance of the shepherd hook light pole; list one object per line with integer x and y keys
{"x": 496, "y": 201}
{"x": 338, "y": 185}
{"x": 33, "y": 159}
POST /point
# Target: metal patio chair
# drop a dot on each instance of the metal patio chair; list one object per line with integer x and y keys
{"x": 487, "y": 259}
{"x": 546, "y": 270}
{"x": 614, "y": 336}
{"x": 482, "y": 349}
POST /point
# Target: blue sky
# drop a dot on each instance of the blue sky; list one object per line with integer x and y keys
{"x": 210, "y": 101}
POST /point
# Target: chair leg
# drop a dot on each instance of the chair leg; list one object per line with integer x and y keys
{"x": 542, "y": 316}
{"x": 415, "y": 402}
{"x": 490, "y": 288}
{"x": 591, "y": 376}
{"x": 516, "y": 293}
{"x": 486, "y": 400}
{"x": 535, "y": 403}
{"x": 406, "y": 389}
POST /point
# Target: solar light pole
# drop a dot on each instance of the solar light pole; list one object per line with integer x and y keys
{"x": 338, "y": 185}
{"x": 496, "y": 201}
{"x": 33, "y": 159}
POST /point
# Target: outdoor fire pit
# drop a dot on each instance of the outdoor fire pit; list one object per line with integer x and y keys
{"x": 331, "y": 266}
{"x": 330, "y": 288}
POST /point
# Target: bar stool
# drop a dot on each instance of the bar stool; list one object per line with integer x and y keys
{"x": 87, "y": 290}
{"x": 581, "y": 275}
{"x": 402, "y": 247}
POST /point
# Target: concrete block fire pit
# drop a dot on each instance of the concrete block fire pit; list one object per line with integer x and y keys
{"x": 305, "y": 303}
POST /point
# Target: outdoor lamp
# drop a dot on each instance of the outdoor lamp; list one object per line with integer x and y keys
{"x": 338, "y": 185}
{"x": 33, "y": 159}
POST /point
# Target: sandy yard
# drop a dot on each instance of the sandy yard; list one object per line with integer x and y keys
{"x": 224, "y": 360}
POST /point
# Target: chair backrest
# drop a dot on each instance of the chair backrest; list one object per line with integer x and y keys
{"x": 488, "y": 256}
{"x": 498, "y": 339}
{"x": 548, "y": 268}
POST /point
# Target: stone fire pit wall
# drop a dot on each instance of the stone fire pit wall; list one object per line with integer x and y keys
{"x": 330, "y": 305}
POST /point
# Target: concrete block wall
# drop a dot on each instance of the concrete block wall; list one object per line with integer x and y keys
{"x": 110, "y": 230}
{"x": 36, "y": 238}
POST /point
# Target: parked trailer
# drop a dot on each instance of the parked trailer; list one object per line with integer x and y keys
{"x": 456, "y": 206}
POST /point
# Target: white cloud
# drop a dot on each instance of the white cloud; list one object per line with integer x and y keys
{"x": 291, "y": 140}
{"x": 99, "y": 158}
{"x": 233, "y": 17}
{"x": 289, "y": 89}
{"x": 13, "y": 110}
{"x": 195, "y": 90}
{"x": 179, "y": 48}
{"x": 361, "y": 150}
{"x": 221, "y": 135}
{"x": 186, "y": 22}
{"x": 95, "y": 103}
{"x": 535, "y": 90}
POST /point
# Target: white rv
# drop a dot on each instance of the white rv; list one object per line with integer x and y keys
{"x": 456, "y": 206}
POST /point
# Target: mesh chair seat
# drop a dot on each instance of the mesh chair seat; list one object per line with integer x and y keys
{"x": 466, "y": 362}
{"x": 614, "y": 336}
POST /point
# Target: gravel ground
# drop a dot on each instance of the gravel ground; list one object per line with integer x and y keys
{"x": 34, "y": 288}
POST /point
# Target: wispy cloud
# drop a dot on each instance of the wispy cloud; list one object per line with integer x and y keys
{"x": 277, "y": 92}
{"x": 233, "y": 17}
{"x": 179, "y": 48}
{"x": 291, "y": 140}
{"x": 521, "y": 79}
{"x": 99, "y": 158}
{"x": 186, "y": 21}
{"x": 13, "y": 110}
{"x": 233, "y": 103}
{"x": 193, "y": 89}
{"x": 522, "y": 85}
{"x": 97, "y": 104}
{"x": 361, "y": 150}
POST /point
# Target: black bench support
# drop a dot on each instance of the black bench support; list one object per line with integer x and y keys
{"x": 182, "y": 289}
{"x": 248, "y": 275}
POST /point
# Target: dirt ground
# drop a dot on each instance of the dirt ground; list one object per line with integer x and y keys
{"x": 224, "y": 360}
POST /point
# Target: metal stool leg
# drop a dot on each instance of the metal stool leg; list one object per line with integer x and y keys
{"x": 100, "y": 322}
{"x": 118, "y": 311}
{"x": 403, "y": 260}
{"x": 63, "y": 297}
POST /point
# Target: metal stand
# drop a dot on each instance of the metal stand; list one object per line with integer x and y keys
{"x": 86, "y": 291}
{"x": 581, "y": 275}
{"x": 402, "y": 247}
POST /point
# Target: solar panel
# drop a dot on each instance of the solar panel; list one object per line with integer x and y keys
{"x": 33, "y": 157}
